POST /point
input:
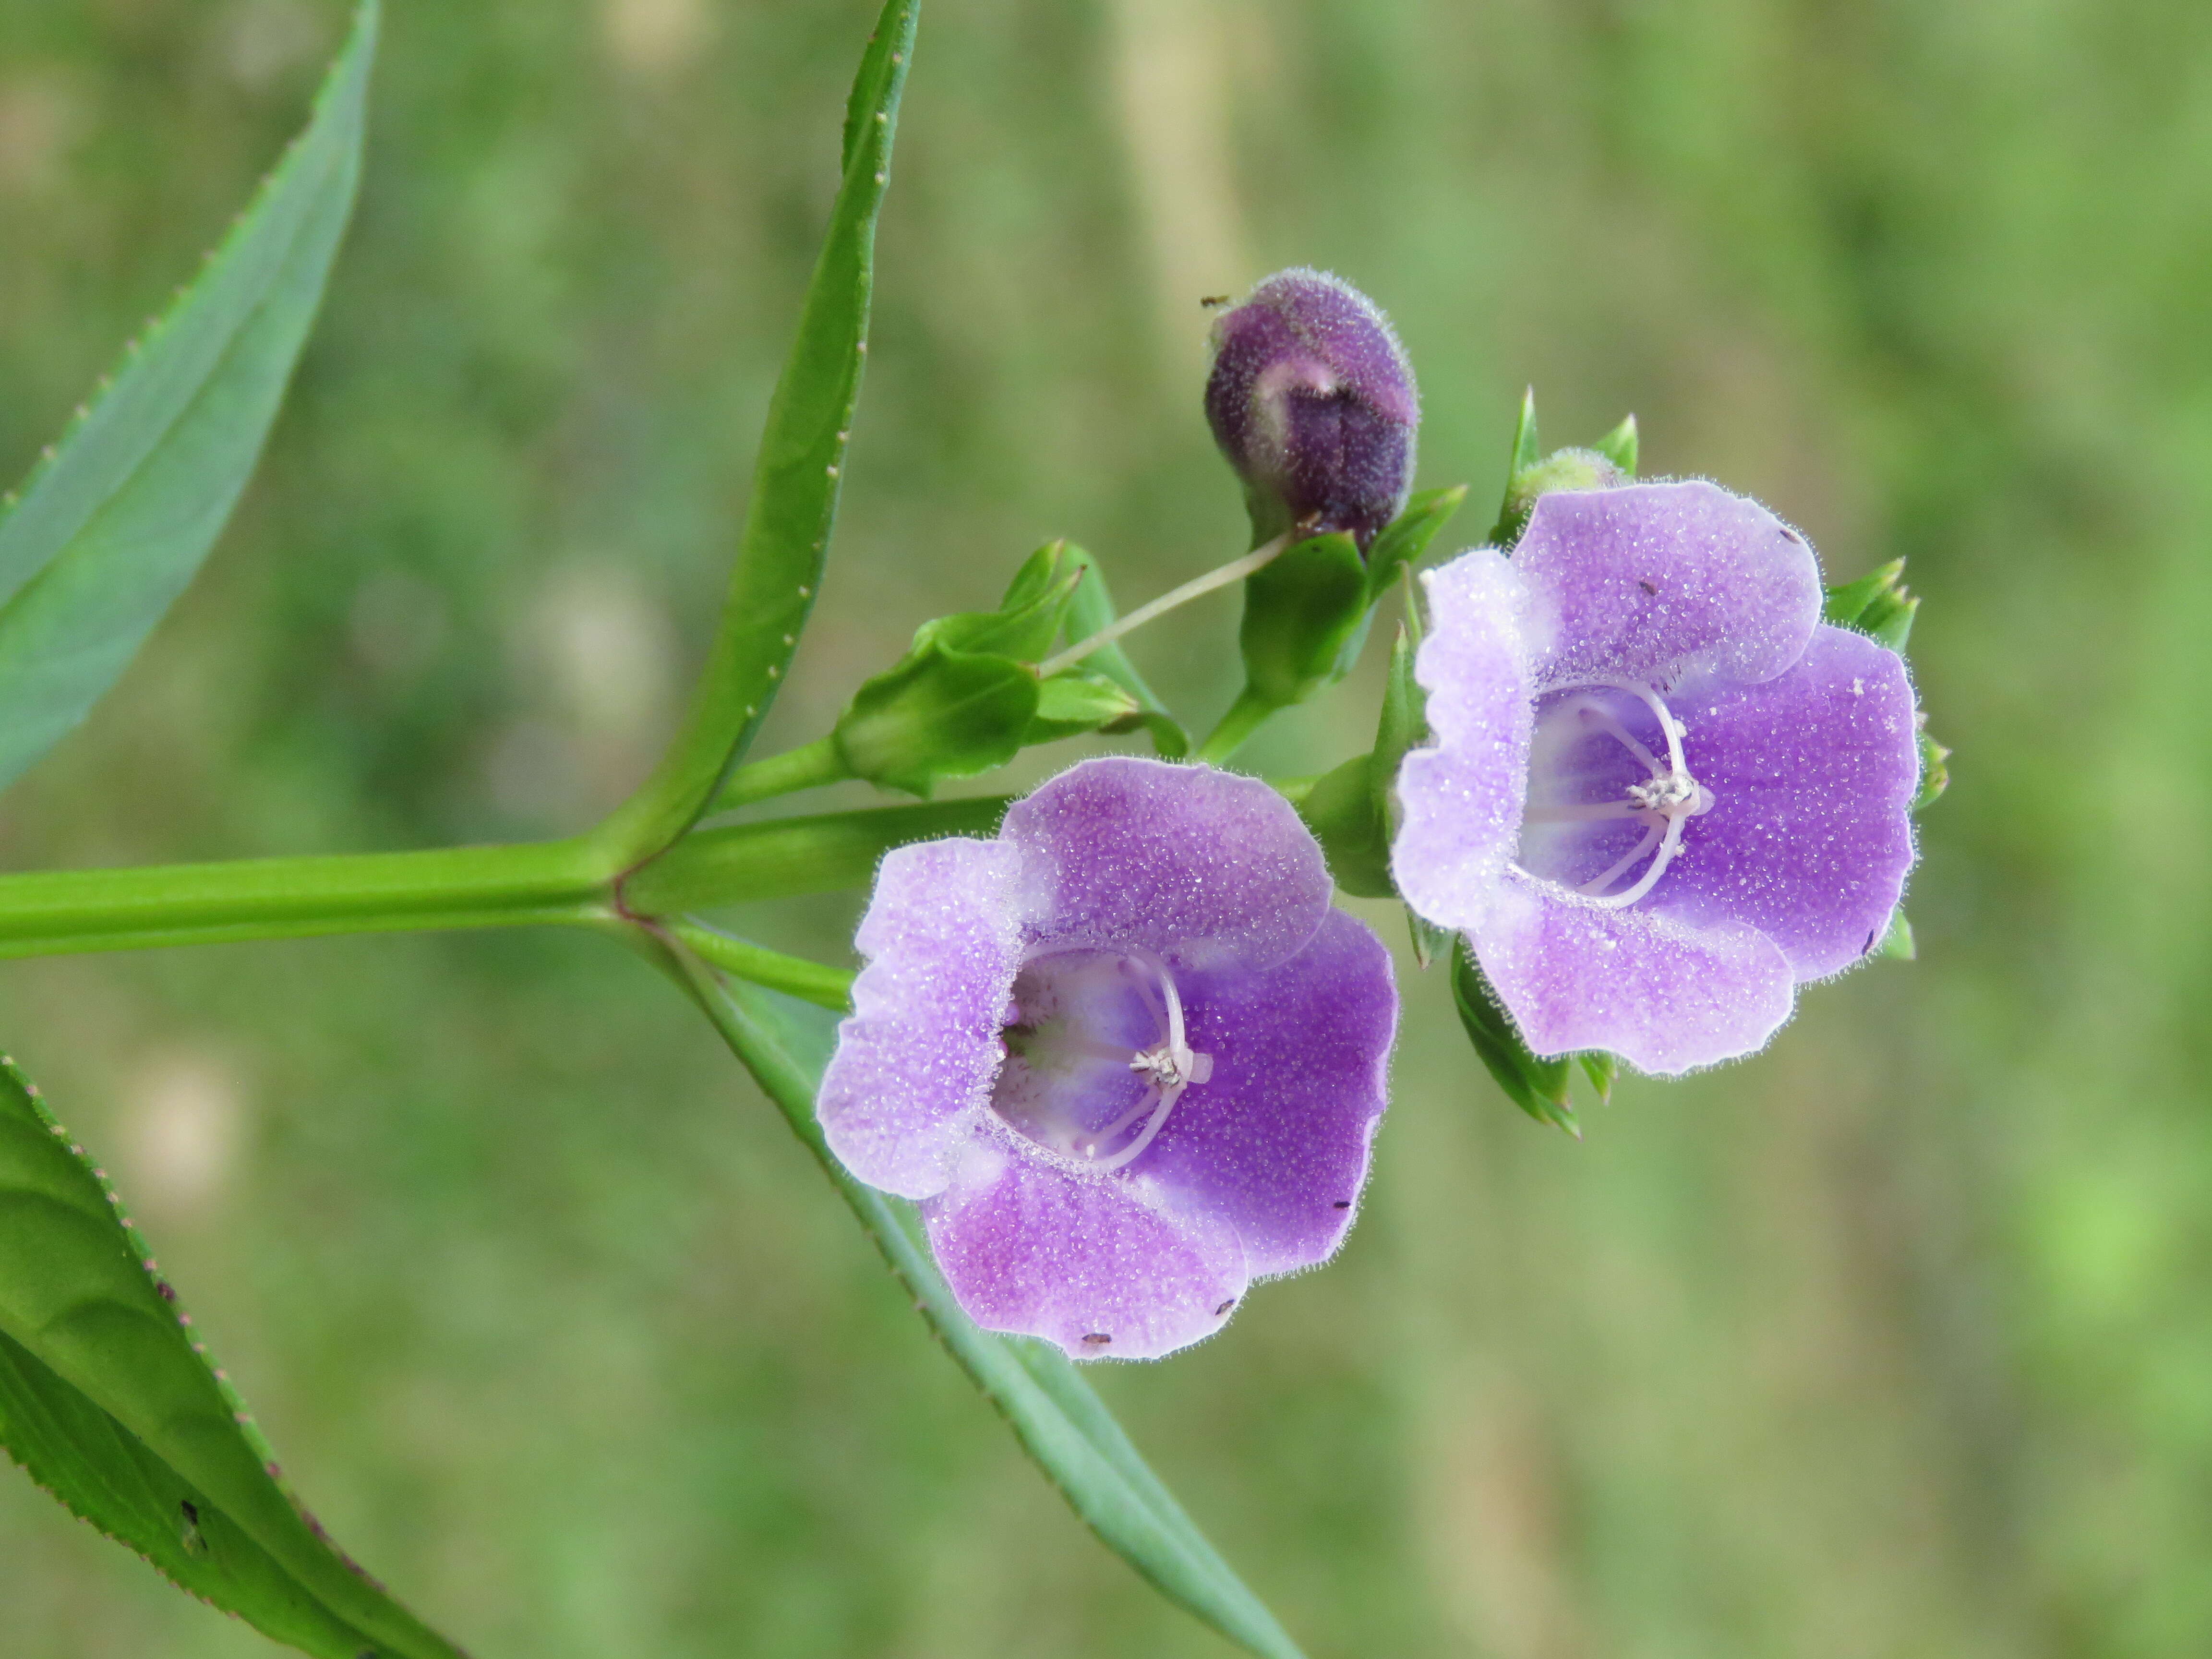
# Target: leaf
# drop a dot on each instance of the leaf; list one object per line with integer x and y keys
{"x": 114, "y": 523}
{"x": 1537, "y": 1087}
{"x": 1061, "y": 1424}
{"x": 108, "y": 1403}
{"x": 1897, "y": 939}
{"x": 1842, "y": 606}
{"x": 783, "y": 548}
{"x": 1935, "y": 772}
{"x": 1073, "y": 701}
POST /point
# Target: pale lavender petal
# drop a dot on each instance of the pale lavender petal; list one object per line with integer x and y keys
{"x": 1813, "y": 776}
{"x": 1462, "y": 798}
{"x": 1651, "y": 581}
{"x": 942, "y": 937}
{"x": 1196, "y": 864}
{"x": 1275, "y": 1143}
{"x": 1665, "y": 997}
{"x": 1106, "y": 1268}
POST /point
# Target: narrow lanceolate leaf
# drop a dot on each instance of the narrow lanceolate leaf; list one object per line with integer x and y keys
{"x": 785, "y": 544}
{"x": 1538, "y": 1087}
{"x": 109, "y": 1403}
{"x": 115, "y": 522}
{"x": 1062, "y": 1425}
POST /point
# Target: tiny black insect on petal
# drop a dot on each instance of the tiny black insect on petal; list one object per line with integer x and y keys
{"x": 1097, "y": 1339}
{"x": 1647, "y": 586}
{"x": 1342, "y": 1204}
{"x": 1224, "y": 1307}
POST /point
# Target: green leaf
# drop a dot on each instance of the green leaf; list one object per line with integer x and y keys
{"x": 1430, "y": 941}
{"x": 783, "y": 548}
{"x": 108, "y": 1402}
{"x": 1305, "y": 616}
{"x": 939, "y": 714}
{"x": 1352, "y": 810}
{"x": 1537, "y": 1087}
{"x": 1061, "y": 1424}
{"x": 1028, "y": 620}
{"x": 114, "y": 523}
{"x": 1618, "y": 446}
{"x": 1603, "y": 1069}
{"x": 1406, "y": 538}
{"x": 1072, "y": 702}
{"x": 1897, "y": 939}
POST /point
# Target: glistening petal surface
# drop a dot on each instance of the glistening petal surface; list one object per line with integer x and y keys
{"x": 1462, "y": 798}
{"x": 1649, "y": 581}
{"x": 1276, "y": 1143}
{"x": 943, "y": 940}
{"x": 1813, "y": 775}
{"x": 1098, "y": 1266}
{"x": 1667, "y": 998}
{"x": 1196, "y": 864}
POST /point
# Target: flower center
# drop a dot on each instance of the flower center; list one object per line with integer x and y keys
{"x": 1608, "y": 790}
{"x": 1097, "y": 1056}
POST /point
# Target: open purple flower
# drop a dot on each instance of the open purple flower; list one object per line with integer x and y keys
{"x": 1126, "y": 1054}
{"x": 1664, "y": 792}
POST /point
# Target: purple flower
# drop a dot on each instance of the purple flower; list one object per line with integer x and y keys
{"x": 1664, "y": 792}
{"x": 1312, "y": 400}
{"x": 1126, "y": 1054}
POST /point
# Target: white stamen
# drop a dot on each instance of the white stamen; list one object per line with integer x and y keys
{"x": 1662, "y": 802}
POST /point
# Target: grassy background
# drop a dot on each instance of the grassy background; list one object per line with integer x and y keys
{"x": 1895, "y": 1342}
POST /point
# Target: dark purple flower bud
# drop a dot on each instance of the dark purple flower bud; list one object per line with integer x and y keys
{"x": 1125, "y": 1055}
{"x": 1313, "y": 401}
{"x": 1664, "y": 794}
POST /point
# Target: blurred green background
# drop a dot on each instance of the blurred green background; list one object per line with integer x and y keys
{"x": 1895, "y": 1341}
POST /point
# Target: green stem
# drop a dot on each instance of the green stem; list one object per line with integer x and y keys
{"x": 784, "y": 857}
{"x": 1246, "y": 716}
{"x": 810, "y": 766}
{"x": 45, "y": 913}
{"x": 812, "y": 981}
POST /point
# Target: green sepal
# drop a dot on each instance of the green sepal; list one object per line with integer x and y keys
{"x": 1877, "y": 604}
{"x": 1090, "y": 611}
{"x": 1563, "y": 469}
{"x": 938, "y": 713}
{"x": 1305, "y": 618}
{"x": 1406, "y": 538}
{"x": 1600, "y": 1066}
{"x": 1340, "y": 809}
{"x": 1526, "y": 448}
{"x": 1537, "y": 1087}
{"x": 1935, "y": 772}
{"x": 1028, "y": 620}
{"x": 1429, "y": 940}
{"x": 1897, "y": 939}
{"x": 1072, "y": 702}
{"x": 1352, "y": 810}
{"x": 1618, "y": 446}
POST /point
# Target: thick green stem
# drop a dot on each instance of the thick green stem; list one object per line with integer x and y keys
{"x": 810, "y": 766}
{"x": 784, "y": 857}
{"x": 47, "y": 913}
{"x": 1246, "y": 716}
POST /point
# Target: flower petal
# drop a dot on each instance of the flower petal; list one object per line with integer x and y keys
{"x": 1665, "y": 997}
{"x": 1275, "y": 1143}
{"x": 1649, "y": 581}
{"x": 1086, "y": 1263}
{"x": 1197, "y": 865}
{"x": 1463, "y": 797}
{"x": 942, "y": 937}
{"x": 1813, "y": 775}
